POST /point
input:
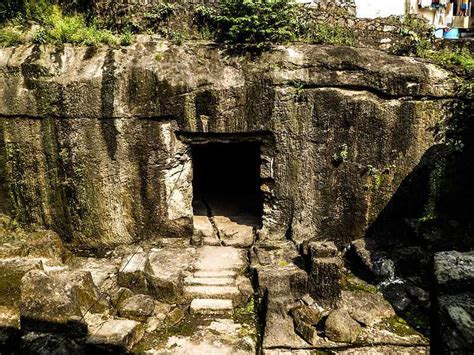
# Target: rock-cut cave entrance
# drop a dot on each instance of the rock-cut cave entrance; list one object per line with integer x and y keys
{"x": 226, "y": 179}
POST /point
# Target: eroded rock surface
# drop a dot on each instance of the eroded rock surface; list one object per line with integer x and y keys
{"x": 319, "y": 100}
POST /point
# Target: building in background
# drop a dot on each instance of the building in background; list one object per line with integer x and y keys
{"x": 377, "y": 8}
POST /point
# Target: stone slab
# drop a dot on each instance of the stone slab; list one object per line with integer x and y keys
{"x": 121, "y": 334}
{"x": 219, "y": 259}
{"x": 216, "y": 274}
{"x": 191, "y": 292}
{"x": 209, "y": 281}
{"x": 211, "y": 306}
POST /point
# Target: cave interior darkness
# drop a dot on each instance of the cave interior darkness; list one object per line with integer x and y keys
{"x": 226, "y": 179}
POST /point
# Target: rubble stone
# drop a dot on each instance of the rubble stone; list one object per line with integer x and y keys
{"x": 117, "y": 335}
{"x": 138, "y": 307}
{"x": 132, "y": 272}
{"x": 325, "y": 279}
{"x": 365, "y": 307}
{"x": 165, "y": 272}
{"x": 340, "y": 327}
{"x": 11, "y": 272}
{"x": 49, "y": 301}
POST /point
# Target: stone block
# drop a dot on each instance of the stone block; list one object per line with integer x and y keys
{"x": 165, "y": 272}
{"x": 132, "y": 273}
{"x": 325, "y": 279}
{"x": 454, "y": 271}
{"x": 138, "y": 307}
{"x": 51, "y": 301}
{"x": 366, "y": 308}
{"x": 322, "y": 250}
{"x": 11, "y": 272}
{"x": 115, "y": 336}
{"x": 174, "y": 317}
{"x": 455, "y": 314}
{"x": 341, "y": 328}
{"x": 282, "y": 281}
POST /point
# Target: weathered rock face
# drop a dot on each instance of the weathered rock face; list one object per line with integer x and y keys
{"x": 90, "y": 137}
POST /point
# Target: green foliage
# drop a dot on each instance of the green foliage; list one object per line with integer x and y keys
{"x": 38, "y": 10}
{"x": 413, "y": 43}
{"x": 72, "y": 29}
{"x": 176, "y": 37}
{"x": 331, "y": 34}
{"x": 11, "y": 35}
{"x": 261, "y": 22}
{"x": 161, "y": 12}
{"x": 57, "y": 28}
{"x": 251, "y": 22}
{"x": 27, "y": 10}
{"x": 341, "y": 155}
{"x": 452, "y": 59}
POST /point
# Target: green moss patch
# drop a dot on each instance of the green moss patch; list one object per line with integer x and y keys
{"x": 398, "y": 326}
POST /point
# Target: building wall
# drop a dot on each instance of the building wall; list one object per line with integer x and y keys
{"x": 378, "y": 8}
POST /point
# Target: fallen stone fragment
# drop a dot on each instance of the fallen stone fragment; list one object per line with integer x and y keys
{"x": 138, "y": 308}
{"x": 49, "y": 301}
{"x": 307, "y": 314}
{"x": 165, "y": 272}
{"x": 282, "y": 281}
{"x": 306, "y": 318}
{"x": 235, "y": 231}
{"x": 245, "y": 287}
{"x": 340, "y": 327}
{"x": 44, "y": 244}
{"x": 365, "y": 307}
{"x": 174, "y": 317}
{"x": 132, "y": 273}
{"x": 322, "y": 250}
{"x": 119, "y": 296}
{"x": 203, "y": 227}
{"x": 277, "y": 253}
{"x": 39, "y": 244}
{"x": 161, "y": 310}
{"x": 100, "y": 269}
{"x": 324, "y": 282}
{"x": 11, "y": 272}
{"x": 117, "y": 335}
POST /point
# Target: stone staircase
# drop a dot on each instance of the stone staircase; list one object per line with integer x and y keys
{"x": 212, "y": 288}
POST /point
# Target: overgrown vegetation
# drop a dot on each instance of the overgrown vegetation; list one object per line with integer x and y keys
{"x": 251, "y": 22}
{"x": 162, "y": 11}
{"x": 259, "y": 23}
{"x": 52, "y": 26}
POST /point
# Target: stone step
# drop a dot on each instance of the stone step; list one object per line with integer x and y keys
{"x": 214, "y": 292}
{"x": 211, "y": 281}
{"x": 217, "y": 274}
{"x": 212, "y": 241}
{"x": 220, "y": 258}
{"x": 211, "y": 306}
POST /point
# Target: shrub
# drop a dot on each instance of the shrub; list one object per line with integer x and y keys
{"x": 59, "y": 28}
{"x": 252, "y": 22}
{"x": 161, "y": 12}
{"x": 330, "y": 34}
{"x": 55, "y": 27}
{"x": 11, "y": 35}
{"x": 460, "y": 58}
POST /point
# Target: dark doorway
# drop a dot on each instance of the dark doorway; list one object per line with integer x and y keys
{"x": 226, "y": 179}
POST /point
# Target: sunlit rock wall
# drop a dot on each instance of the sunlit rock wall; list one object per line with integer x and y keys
{"x": 88, "y": 143}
